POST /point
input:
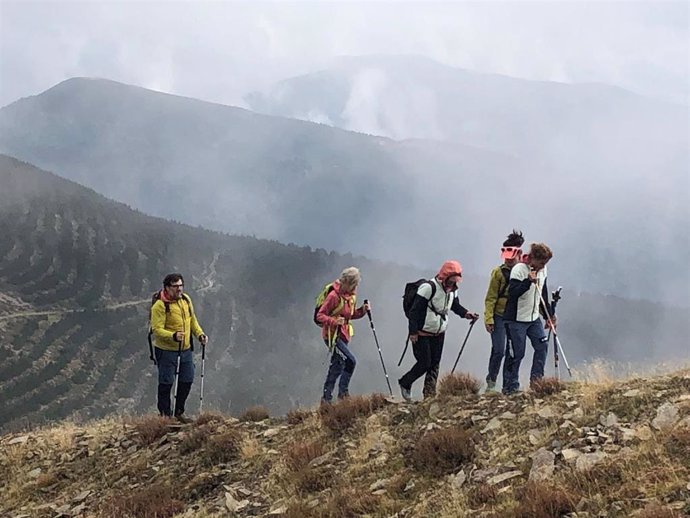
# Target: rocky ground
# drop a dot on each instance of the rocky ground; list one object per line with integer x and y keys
{"x": 578, "y": 450}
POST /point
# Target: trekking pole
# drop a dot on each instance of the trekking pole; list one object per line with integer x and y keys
{"x": 407, "y": 342}
{"x": 555, "y": 335}
{"x": 463, "y": 345}
{"x": 373, "y": 330}
{"x": 203, "y": 364}
{"x": 555, "y": 297}
{"x": 177, "y": 374}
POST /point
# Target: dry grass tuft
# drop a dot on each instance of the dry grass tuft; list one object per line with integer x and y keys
{"x": 222, "y": 448}
{"x": 255, "y": 414}
{"x": 46, "y": 480}
{"x": 605, "y": 477}
{"x": 658, "y": 511}
{"x": 209, "y": 417}
{"x": 482, "y": 494}
{"x": 460, "y": 384}
{"x": 348, "y": 502}
{"x": 311, "y": 480}
{"x": 300, "y": 510}
{"x": 543, "y": 500}
{"x": 444, "y": 451}
{"x": 297, "y": 416}
{"x": 343, "y": 414}
{"x": 546, "y": 386}
{"x": 194, "y": 440}
{"x": 677, "y": 445}
{"x": 153, "y": 501}
{"x": 151, "y": 428}
{"x": 299, "y": 455}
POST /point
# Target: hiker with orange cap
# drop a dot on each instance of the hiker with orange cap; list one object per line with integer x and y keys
{"x": 495, "y": 304}
{"x": 427, "y": 326}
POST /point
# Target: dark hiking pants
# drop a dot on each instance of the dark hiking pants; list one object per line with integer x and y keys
{"x": 427, "y": 351}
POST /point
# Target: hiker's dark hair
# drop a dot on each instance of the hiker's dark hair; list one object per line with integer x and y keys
{"x": 540, "y": 252}
{"x": 172, "y": 277}
{"x": 514, "y": 239}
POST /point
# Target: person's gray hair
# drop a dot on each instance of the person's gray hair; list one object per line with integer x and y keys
{"x": 350, "y": 277}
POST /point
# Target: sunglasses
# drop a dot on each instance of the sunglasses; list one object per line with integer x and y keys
{"x": 176, "y": 285}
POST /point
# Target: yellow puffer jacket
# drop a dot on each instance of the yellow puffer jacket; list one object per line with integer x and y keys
{"x": 181, "y": 317}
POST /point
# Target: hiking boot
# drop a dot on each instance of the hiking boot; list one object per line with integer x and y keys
{"x": 406, "y": 393}
{"x": 184, "y": 419}
{"x": 346, "y": 395}
{"x": 490, "y": 386}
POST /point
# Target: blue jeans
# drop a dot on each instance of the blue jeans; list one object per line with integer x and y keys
{"x": 498, "y": 347}
{"x": 517, "y": 340}
{"x": 343, "y": 364}
{"x": 167, "y": 364}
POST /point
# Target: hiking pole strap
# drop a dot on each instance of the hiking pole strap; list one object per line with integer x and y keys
{"x": 151, "y": 355}
{"x": 407, "y": 342}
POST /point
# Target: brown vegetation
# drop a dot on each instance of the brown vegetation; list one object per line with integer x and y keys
{"x": 443, "y": 451}
{"x": 460, "y": 384}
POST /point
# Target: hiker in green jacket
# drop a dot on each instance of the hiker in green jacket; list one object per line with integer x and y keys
{"x": 495, "y": 303}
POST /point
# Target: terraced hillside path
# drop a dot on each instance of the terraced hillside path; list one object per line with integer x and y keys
{"x": 52, "y": 312}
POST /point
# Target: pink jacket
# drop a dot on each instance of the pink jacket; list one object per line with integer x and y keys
{"x": 326, "y": 317}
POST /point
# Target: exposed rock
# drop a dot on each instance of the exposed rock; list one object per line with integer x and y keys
{"x": 632, "y": 393}
{"x": 666, "y": 416}
{"x": 494, "y": 424}
{"x": 507, "y": 416}
{"x": 379, "y": 484}
{"x": 570, "y": 454}
{"x": 543, "y": 464}
{"x": 610, "y": 420}
{"x": 458, "y": 479}
{"x": 546, "y": 412}
{"x": 497, "y": 479}
{"x": 643, "y": 432}
{"x": 19, "y": 440}
{"x": 434, "y": 409}
{"x": 587, "y": 461}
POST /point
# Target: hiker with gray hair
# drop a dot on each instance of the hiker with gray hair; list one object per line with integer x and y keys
{"x": 334, "y": 316}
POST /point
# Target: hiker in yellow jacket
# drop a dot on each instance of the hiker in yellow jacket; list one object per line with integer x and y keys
{"x": 174, "y": 323}
{"x": 495, "y": 303}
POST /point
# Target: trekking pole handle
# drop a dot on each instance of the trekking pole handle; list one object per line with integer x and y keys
{"x": 366, "y": 303}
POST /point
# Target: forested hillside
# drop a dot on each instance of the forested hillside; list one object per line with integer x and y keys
{"x": 77, "y": 271}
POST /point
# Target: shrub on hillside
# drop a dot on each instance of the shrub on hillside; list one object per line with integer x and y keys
{"x": 441, "y": 452}
{"x": 546, "y": 386}
{"x": 460, "y": 384}
{"x": 152, "y": 501}
{"x": 209, "y": 417}
{"x": 543, "y": 500}
{"x": 299, "y": 455}
{"x": 255, "y": 414}
{"x": 297, "y": 415}
{"x": 151, "y": 428}
{"x": 222, "y": 448}
{"x": 340, "y": 416}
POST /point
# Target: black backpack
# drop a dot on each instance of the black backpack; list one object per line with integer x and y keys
{"x": 154, "y": 298}
{"x": 410, "y": 292}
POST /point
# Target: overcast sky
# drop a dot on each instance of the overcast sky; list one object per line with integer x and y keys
{"x": 221, "y": 50}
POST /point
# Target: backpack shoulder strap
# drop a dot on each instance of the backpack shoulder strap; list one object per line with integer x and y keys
{"x": 505, "y": 273}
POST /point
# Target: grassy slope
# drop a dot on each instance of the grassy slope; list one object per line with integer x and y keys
{"x": 371, "y": 457}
